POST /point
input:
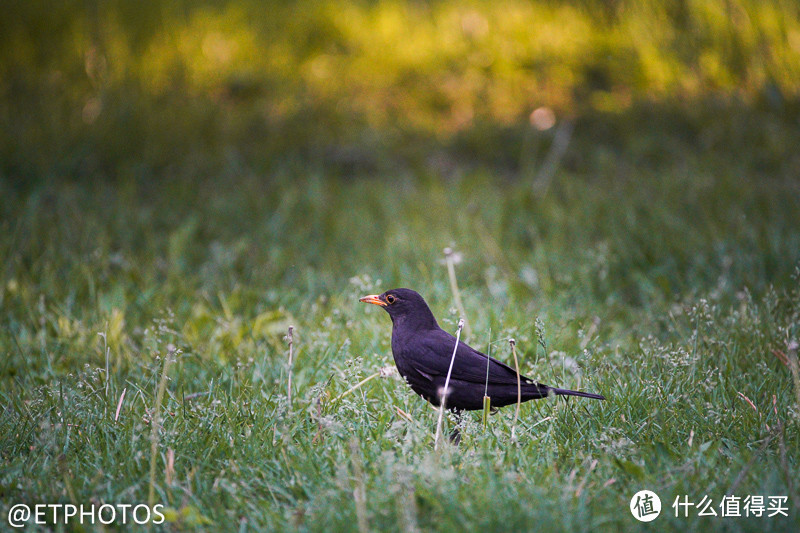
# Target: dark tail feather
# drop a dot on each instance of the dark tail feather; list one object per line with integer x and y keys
{"x": 567, "y": 392}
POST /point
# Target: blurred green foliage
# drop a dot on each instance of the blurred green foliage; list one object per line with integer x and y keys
{"x": 116, "y": 89}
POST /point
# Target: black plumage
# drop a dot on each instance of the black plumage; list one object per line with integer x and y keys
{"x": 422, "y": 352}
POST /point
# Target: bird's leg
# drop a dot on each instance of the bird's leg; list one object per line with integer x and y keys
{"x": 455, "y": 435}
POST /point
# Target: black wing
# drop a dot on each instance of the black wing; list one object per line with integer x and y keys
{"x": 433, "y": 359}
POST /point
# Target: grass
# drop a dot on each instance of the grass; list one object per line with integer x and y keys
{"x": 163, "y": 223}
{"x": 220, "y": 272}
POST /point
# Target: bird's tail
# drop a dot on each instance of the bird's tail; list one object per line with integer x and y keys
{"x": 567, "y": 392}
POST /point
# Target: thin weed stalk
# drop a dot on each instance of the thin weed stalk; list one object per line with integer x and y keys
{"x": 550, "y": 165}
{"x": 487, "y": 401}
{"x": 487, "y": 410}
{"x": 443, "y": 401}
{"x": 513, "y": 344}
{"x": 449, "y": 257}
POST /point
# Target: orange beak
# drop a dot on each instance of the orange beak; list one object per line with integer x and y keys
{"x": 373, "y": 299}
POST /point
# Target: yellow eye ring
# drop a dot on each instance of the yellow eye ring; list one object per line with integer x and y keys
{"x": 390, "y": 299}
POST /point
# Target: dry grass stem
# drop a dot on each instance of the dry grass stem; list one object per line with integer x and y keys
{"x": 155, "y": 425}
{"x": 748, "y": 400}
{"x": 290, "y": 340}
{"x": 404, "y": 414}
{"x": 357, "y": 385}
{"x": 169, "y": 472}
{"x": 794, "y": 365}
{"x": 585, "y": 479}
{"x": 119, "y": 404}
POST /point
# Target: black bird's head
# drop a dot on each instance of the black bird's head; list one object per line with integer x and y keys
{"x": 405, "y": 307}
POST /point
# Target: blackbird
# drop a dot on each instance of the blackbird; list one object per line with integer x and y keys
{"x": 422, "y": 352}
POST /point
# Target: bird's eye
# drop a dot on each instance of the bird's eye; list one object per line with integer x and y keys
{"x": 390, "y": 299}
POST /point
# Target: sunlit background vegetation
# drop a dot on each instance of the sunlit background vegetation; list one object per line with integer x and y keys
{"x": 620, "y": 179}
{"x": 116, "y": 88}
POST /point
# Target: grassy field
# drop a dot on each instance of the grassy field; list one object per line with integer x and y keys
{"x": 163, "y": 223}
